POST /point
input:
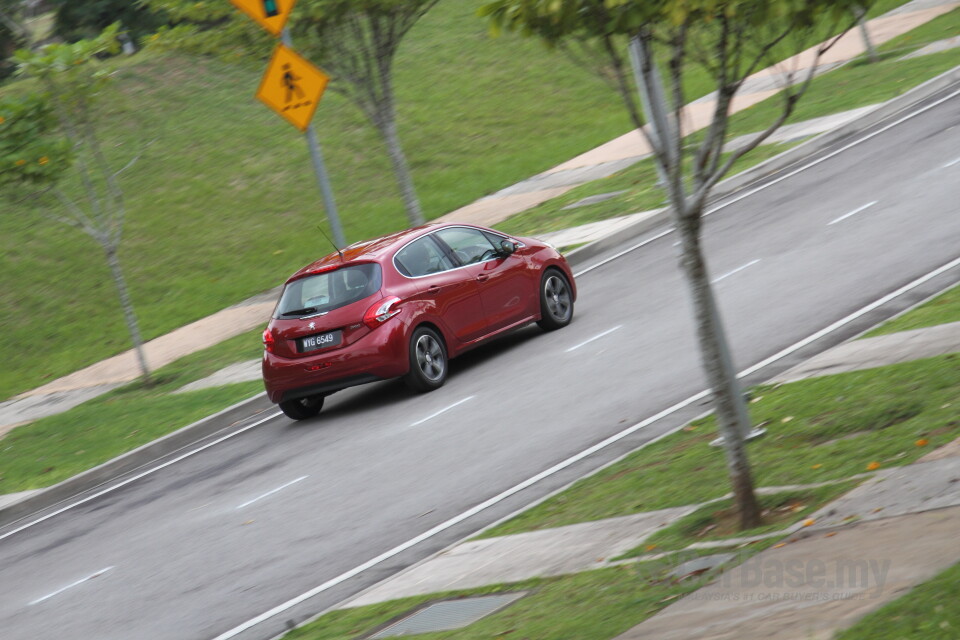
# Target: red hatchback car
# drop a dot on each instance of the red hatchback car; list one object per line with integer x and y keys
{"x": 403, "y": 305}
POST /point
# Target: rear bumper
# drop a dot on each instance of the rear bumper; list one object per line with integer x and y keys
{"x": 379, "y": 355}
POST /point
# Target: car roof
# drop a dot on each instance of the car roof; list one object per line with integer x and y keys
{"x": 366, "y": 250}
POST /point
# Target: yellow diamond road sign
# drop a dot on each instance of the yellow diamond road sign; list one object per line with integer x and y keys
{"x": 270, "y": 14}
{"x": 292, "y": 86}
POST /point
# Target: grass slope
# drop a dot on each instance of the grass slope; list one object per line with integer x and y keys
{"x": 224, "y": 204}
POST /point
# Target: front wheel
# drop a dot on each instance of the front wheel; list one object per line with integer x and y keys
{"x": 556, "y": 301}
{"x": 428, "y": 361}
{"x": 302, "y": 408}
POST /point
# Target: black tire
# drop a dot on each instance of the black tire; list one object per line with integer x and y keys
{"x": 302, "y": 408}
{"x": 556, "y": 301}
{"x": 428, "y": 361}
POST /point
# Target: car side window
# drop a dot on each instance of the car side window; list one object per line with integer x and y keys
{"x": 469, "y": 245}
{"x": 422, "y": 257}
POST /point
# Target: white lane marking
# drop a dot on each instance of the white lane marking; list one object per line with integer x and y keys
{"x": 442, "y": 411}
{"x": 951, "y": 163}
{"x": 620, "y": 254}
{"x": 790, "y": 174}
{"x": 140, "y": 475}
{"x": 596, "y": 337}
{"x": 571, "y": 460}
{"x": 852, "y": 213}
{"x": 272, "y": 491}
{"x": 853, "y": 316}
{"x": 70, "y": 586}
{"x": 737, "y": 270}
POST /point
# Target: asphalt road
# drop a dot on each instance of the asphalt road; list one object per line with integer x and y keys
{"x": 209, "y": 542}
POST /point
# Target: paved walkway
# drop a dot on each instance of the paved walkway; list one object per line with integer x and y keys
{"x": 878, "y": 351}
{"x": 69, "y": 391}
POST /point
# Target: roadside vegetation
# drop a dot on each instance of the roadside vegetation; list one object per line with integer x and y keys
{"x": 928, "y": 611}
{"x": 594, "y": 605}
{"x": 52, "y": 449}
{"x": 717, "y": 521}
{"x": 940, "y": 310}
{"x": 820, "y": 429}
{"x": 835, "y": 428}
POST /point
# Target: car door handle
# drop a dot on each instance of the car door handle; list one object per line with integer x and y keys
{"x": 433, "y": 289}
{"x": 482, "y": 277}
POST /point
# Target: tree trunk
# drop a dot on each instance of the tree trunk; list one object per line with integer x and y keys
{"x": 719, "y": 372}
{"x": 388, "y": 128}
{"x": 865, "y": 34}
{"x": 114, "y": 261}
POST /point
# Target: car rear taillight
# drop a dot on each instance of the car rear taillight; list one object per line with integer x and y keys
{"x": 381, "y": 312}
{"x": 268, "y": 340}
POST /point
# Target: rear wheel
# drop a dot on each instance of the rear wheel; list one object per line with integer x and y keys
{"x": 428, "y": 361}
{"x": 556, "y": 301}
{"x": 302, "y": 408}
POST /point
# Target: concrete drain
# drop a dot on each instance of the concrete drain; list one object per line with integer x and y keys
{"x": 450, "y": 614}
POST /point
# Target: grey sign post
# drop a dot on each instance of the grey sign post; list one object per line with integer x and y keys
{"x": 320, "y": 171}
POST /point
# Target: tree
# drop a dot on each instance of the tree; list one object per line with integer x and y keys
{"x": 210, "y": 28}
{"x": 50, "y": 150}
{"x": 76, "y": 19}
{"x": 13, "y": 34}
{"x": 356, "y": 42}
{"x": 730, "y": 40}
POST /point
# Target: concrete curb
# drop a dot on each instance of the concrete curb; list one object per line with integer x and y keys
{"x": 132, "y": 460}
{"x": 777, "y": 163}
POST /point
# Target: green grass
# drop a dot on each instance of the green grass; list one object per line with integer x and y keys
{"x": 820, "y": 429}
{"x": 940, "y": 28}
{"x": 223, "y": 204}
{"x": 720, "y": 520}
{"x": 940, "y": 310}
{"x": 594, "y": 605}
{"x": 928, "y": 611}
{"x": 55, "y": 448}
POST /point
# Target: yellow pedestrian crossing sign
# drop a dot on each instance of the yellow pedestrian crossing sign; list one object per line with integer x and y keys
{"x": 270, "y": 14}
{"x": 292, "y": 86}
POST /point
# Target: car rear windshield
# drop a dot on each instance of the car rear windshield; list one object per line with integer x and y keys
{"x": 328, "y": 290}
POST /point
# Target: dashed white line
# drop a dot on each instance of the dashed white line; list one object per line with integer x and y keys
{"x": 737, "y": 270}
{"x": 853, "y": 213}
{"x": 596, "y": 337}
{"x": 272, "y": 491}
{"x": 70, "y": 586}
{"x": 442, "y": 411}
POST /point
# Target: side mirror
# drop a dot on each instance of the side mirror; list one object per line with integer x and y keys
{"x": 507, "y": 247}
